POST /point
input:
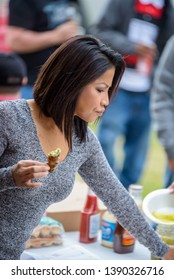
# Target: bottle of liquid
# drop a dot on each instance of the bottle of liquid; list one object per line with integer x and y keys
{"x": 108, "y": 228}
{"x": 136, "y": 191}
{"x": 124, "y": 242}
{"x": 166, "y": 232}
{"x": 90, "y": 219}
{"x": 144, "y": 65}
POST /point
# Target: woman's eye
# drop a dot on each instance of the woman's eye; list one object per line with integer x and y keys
{"x": 100, "y": 90}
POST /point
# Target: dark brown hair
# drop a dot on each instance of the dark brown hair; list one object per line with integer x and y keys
{"x": 76, "y": 63}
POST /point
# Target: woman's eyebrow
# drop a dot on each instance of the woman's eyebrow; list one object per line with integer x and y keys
{"x": 102, "y": 82}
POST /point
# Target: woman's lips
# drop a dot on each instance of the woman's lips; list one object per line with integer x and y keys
{"x": 99, "y": 113}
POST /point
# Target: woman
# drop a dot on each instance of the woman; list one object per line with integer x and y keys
{"x": 73, "y": 88}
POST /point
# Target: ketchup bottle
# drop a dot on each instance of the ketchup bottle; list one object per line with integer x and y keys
{"x": 90, "y": 219}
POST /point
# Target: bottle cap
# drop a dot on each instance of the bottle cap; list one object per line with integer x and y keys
{"x": 135, "y": 187}
{"x": 90, "y": 192}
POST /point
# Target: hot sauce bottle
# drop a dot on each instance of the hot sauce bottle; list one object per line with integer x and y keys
{"x": 123, "y": 241}
{"x": 90, "y": 219}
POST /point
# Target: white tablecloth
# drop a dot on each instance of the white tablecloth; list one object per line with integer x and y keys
{"x": 73, "y": 249}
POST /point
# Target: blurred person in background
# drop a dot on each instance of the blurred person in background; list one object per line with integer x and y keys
{"x": 138, "y": 29}
{"x": 162, "y": 107}
{"x": 13, "y": 75}
{"x": 36, "y": 28}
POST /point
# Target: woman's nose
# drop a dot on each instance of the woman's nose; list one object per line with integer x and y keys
{"x": 105, "y": 100}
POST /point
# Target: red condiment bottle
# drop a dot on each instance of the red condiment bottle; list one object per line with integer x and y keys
{"x": 90, "y": 219}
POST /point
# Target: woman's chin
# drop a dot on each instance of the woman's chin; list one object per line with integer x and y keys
{"x": 89, "y": 119}
{"x": 92, "y": 120}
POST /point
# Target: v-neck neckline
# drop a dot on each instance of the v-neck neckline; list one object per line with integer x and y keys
{"x": 36, "y": 133}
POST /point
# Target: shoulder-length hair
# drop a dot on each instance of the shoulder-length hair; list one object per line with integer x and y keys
{"x": 77, "y": 62}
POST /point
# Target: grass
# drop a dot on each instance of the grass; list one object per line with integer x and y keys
{"x": 152, "y": 177}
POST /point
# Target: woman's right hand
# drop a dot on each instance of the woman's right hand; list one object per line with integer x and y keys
{"x": 171, "y": 187}
{"x": 170, "y": 254}
{"x": 25, "y": 170}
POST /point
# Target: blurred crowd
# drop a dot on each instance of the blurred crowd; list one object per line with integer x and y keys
{"x": 141, "y": 30}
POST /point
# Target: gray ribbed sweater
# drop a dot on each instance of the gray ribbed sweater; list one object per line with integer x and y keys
{"x": 22, "y": 208}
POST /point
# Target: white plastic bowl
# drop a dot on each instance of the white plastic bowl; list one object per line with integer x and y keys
{"x": 159, "y": 201}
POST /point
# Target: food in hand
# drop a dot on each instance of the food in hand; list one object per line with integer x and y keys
{"x": 53, "y": 159}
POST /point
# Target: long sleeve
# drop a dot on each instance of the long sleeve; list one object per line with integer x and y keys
{"x": 100, "y": 178}
{"x": 6, "y": 179}
{"x": 162, "y": 99}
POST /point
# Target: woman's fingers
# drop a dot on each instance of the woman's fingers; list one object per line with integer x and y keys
{"x": 35, "y": 171}
{"x": 26, "y": 170}
{"x": 29, "y": 163}
{"x": 35, "y": 175}
{"x": 29, "y": 184}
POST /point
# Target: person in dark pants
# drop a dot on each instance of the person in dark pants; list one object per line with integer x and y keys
{"x": 138, "y": 30}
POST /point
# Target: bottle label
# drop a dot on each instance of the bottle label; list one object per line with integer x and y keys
{"x": 94, "y": 225}
{"x": 144, "y": 66}
{"x": 127, "y": 239}
{"x": 108, "y": 229}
